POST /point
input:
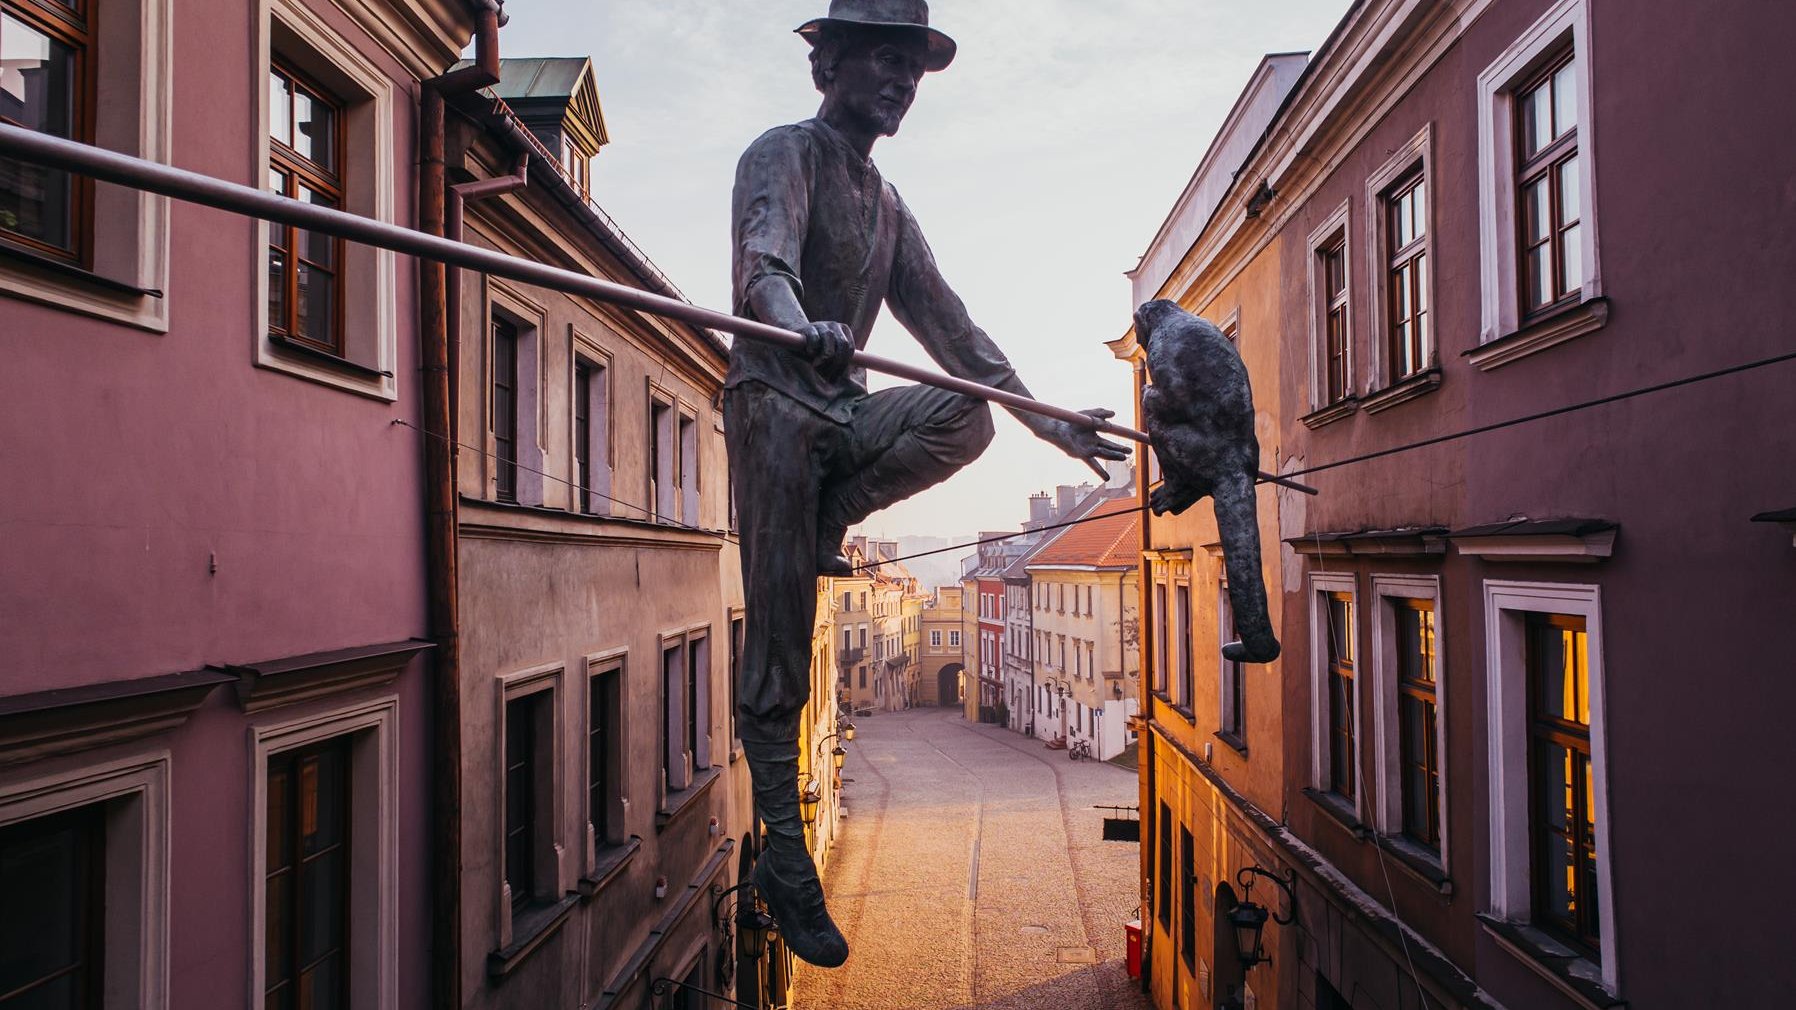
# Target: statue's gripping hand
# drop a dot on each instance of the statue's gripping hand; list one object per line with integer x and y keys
{"x": 829, "y": 346}
{"x": 1084, "y": 444}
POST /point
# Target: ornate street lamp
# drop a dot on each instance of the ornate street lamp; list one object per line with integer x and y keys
{"x": 1248, "y": 919}
{"x": 750, "y": 921}
{"x": 847, "y": 730}
{"x": 840, "y": 754}
{"x": 810, "y": 793}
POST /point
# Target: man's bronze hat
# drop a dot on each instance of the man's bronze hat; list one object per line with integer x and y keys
{"x": 913, "y": 14}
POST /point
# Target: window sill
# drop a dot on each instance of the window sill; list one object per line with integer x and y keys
{"x": 1187, "y": 714}
{"x": 1567, "y": 323}
{"x": 679, "y": 802}
{"x": 302, "y": 350}
{"x": 1419, "y": 384}
{"x": 1235, "y": 743}
{"x": 611, "y": 862}
{"x": 1418, "y": 859}
{"x": 530, "y": 928}
{"x": 69, "y": 271}
{"x": 1330, "y": 414}
{"x": 1340, "y": 811}
{"x": 1572, "y": 973}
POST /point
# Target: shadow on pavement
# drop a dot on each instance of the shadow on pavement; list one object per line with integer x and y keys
{"x": 1095, "y": 987}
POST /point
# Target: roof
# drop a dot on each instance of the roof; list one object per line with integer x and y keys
{"x": 540, "y": 77}
{"x": 1537, "y": 528}
{"x": 1112, "y": 539}
{"x": 1786, "y": 516}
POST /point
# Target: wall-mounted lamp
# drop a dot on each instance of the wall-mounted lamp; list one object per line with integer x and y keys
{"x": 810, "y": 793}
{"x": 750, "y": 921}
{"x": 1248, "y": 919}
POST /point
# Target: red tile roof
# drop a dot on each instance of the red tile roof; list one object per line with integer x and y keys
{"x": 1112, "y": 539}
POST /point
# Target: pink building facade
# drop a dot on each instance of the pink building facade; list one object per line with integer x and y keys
{"x": 214, "y": 762}
{"x": 1532, "y": 682}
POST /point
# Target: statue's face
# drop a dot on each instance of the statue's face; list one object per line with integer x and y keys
{"x": 876, "y": 79}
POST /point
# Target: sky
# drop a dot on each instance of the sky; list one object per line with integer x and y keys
{"x": 1040, "y": 165}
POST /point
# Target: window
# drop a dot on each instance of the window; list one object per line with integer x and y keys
{"x": 1342, "y": 745}
{"x": 1539, "y": 247}
{"x": 1548, "y": 186}
{"x": 863, "y": 636}
{"x": 1234, "y": 675}
{"x": 954, "y": 639}
{"x": 592, "y": 436}
{"x": 1160, "y": 664}
{"x": 698, "y": 701}
{"x": 1417, "y": 732}
{"x": 1186, "y": 693}
{"x": 505, "y": 410}
{"x": 738, "y": 648}
{"x": 676, "y": 717}
{"x": 863, "y": 678}
{"x": 1332, "y": 268}
{"x": 846, "y": 603}
{"x": 604, "y": 755}
{"x": 53, "y": 878}
{"x": 521, "y": 787}
{"x": 1549, "y": 817}
{"x": 308, "y": 878}
{"x": 305, "y": 270}
{"x": 45, "y": 86}
{"x": 1562, "y": 822}
{"x": 661, "y": 468}
{"x": 1165, "y": 868}
{"x": 1406, "y": 277}
{"x": 1187, "y": 898}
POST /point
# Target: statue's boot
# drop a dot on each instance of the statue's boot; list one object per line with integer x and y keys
{"x": 832, "y": 560}
{"x": 785, "y": 876}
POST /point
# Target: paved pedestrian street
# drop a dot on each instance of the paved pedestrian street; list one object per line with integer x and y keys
{"x": 971, "y": 873}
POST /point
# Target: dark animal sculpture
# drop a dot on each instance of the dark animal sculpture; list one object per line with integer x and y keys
{"x": 1199, "y": 412}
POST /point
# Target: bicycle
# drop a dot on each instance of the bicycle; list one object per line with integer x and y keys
{"x": 1080, "y": 750}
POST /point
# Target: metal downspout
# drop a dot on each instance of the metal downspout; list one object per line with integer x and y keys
{"x": 441, "y": 517}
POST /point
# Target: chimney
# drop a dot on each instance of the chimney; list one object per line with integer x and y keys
{"x": 1041, "y": 509}
{"x": 1067, "y": 500}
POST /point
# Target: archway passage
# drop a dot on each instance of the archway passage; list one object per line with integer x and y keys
{"x": 947, "y": 685}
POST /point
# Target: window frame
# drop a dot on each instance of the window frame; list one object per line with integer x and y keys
{"x": 1510, "y": 891}
{"x": 1544, "y": 164}
{"x": 1186, "y": 700}
{"x": 329, "y": 182}
{"x": 76, "y": 29}
{"x": 89, "y": 820}
{"x": 1336, "y": 229}
{"x": 592, "y": 496}
{"x": 606, "y": 807}
{"x": 1231, "y": 675}
{"x": 1582, "y": 932}
{"x": 1413, "y": 161}
{"x": 1389, "y": 591}
{"x": 1566, "y": 24}
{"x": 370, "y": 731}
{"x": 1322, "y": 586}
{"x": 341, "y": 745}
{"x": 542, "y": 686}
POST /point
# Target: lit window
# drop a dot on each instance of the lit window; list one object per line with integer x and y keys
{"x": 1562, "y": 823}
{"x": 1342, "y": 747}
{"x": 308, "y": 878}
{"x": 1416, "y": 720}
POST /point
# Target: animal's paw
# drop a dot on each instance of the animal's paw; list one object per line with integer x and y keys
{"x": 1239, "y": 652}
{"x": 1167, "y": 498}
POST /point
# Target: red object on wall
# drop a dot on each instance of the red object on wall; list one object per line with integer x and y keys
{"x": 1132, "y": 930}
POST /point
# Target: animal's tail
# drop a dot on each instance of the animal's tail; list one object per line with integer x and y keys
{"x": 1237, "y": 520}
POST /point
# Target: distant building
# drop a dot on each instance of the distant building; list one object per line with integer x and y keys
{"x": 942, "y": 663}
{"x": 1083, "y": 597}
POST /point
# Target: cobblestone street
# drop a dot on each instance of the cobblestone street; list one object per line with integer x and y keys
{"x": 971, "y": 873}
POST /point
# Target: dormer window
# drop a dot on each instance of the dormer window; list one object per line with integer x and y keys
{"x": 578, "y": 166}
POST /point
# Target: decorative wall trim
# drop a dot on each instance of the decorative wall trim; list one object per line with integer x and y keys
{"x": 68, "y": 720}
{"x": 262, "y": 686}
{"x": 1573, "y": 540}
{"x": 1585, "y": 317}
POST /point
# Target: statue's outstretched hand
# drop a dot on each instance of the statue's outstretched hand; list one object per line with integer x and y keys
{"x": 830, "y": 346}
{"x": 1083, "y": 444}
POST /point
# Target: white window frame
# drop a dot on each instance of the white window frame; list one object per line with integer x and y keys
{"x": 663, "y": 470}
{"x": 1506, "y": 606}
{"x": 1229, "y": 707}
{"x": 935, "y": 638}
{"x": 1322, "y": 583}
{"x": 135, "y": 792}
{"x": 133, "y": 57}
{"x": 374, "y": 840}
{"x": 1387, "y": 755}
{"x": 686, "y": 433}
{"x": 1339, "y": 222}
{"x": 553, "y": 865}
{"x": 954, "y": 639}
{"x": 370, "y": 292}
{"x": 1419, "y": 148}
{"x": 1501, "y": 302}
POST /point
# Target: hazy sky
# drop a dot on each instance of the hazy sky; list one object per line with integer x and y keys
{"x": 1040, "y": 165}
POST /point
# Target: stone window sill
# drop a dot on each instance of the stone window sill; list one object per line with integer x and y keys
{"x": 530, "y": 929}
{"x": 1571, "y": 972}
{"x": 299, "y": 349}
{"x": 1235, "y": 743}
{"x": 70, "y": 272}
{"x": 1403, "y": 391}
{"x": 612, "y": 860}
{"x": 1418, "y": 859}
{"x": 1330, "y": 414}
{"x": 685, "y": 799}
{"x": 1537, "y": 335}
{"x": 1340, "y": 811}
